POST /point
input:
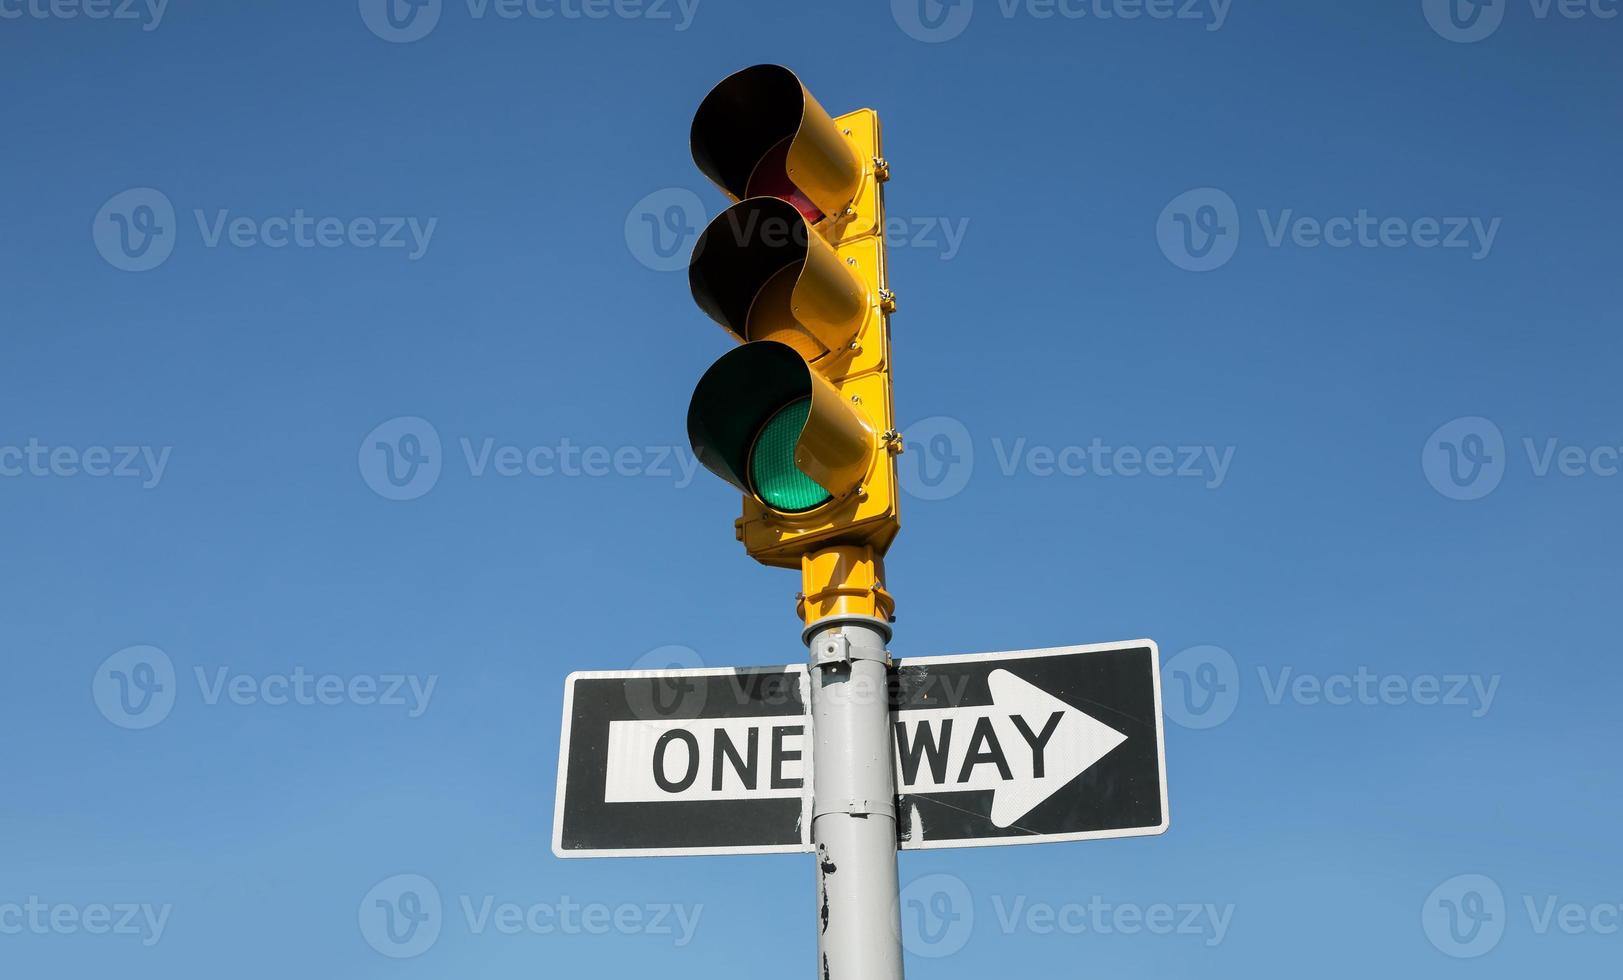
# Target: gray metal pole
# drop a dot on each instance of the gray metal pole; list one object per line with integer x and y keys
{"x": 854, "y": 801}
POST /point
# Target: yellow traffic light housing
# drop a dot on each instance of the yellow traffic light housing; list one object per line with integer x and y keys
{"x": 798, "y": 417}
{"x": 761, "y": 416}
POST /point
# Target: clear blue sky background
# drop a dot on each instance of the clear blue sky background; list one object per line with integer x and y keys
{"x": 1060, "y": 319}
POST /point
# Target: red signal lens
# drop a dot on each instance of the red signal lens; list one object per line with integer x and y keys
{"x": 771, "y": 179}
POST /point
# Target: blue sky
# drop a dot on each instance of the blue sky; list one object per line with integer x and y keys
{"x": 1352, "y": 266}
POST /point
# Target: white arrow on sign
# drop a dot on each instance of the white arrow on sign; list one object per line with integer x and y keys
{"x": 1023, "y": 747}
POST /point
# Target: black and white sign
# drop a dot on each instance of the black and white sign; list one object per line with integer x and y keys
{"x": 996, "y": 748}
{"x": 687, "y": 761}
{"x": 1028, "y": 747}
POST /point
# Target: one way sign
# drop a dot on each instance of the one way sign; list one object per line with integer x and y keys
{"x": 1022, "y": 748}
{"x": 998, "y": 748}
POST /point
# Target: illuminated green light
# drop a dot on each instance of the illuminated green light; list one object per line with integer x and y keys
{"x": 773, "y": 473}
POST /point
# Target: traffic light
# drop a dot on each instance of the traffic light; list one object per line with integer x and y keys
{"x": 798, "y": 417}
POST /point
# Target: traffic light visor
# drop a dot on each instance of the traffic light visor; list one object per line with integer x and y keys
{"x": 763, "y": 274}
{"x": 764, "y": 421}
{"x": 760, "y": 132}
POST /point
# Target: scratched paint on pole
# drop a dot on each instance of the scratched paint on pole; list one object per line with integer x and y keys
{"x": 994, "y": 748}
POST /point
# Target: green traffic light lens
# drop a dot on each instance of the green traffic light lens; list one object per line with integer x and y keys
{"x": 773, "y": 473}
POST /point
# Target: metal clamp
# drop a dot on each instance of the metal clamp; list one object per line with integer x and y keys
{"x": 834, "y": 647}
{"x": 856, "y": 808}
